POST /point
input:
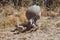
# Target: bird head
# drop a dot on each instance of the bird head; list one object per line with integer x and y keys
{"x": 31, "y": 21}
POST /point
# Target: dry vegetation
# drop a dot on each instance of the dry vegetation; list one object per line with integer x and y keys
{"x": 48, "y": 24}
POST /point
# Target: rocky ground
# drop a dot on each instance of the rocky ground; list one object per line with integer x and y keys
{"x": 48, "y": 25}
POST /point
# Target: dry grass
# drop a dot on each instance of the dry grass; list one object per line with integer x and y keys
{"x": 49, "y": 24}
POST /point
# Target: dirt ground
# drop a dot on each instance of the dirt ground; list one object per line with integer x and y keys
{"x": 49, "y": 25}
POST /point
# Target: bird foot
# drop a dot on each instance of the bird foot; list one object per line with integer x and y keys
{"x": 32, "y": 30}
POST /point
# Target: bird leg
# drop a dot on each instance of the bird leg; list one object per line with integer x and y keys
{"x": 33, "y": 24}
{"x": 34, "y": 27}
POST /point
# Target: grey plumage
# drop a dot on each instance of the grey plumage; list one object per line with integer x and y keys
{"x": 33, "y": 14}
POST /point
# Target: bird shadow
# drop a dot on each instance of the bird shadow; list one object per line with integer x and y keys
{"x": 29, "y": 28}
